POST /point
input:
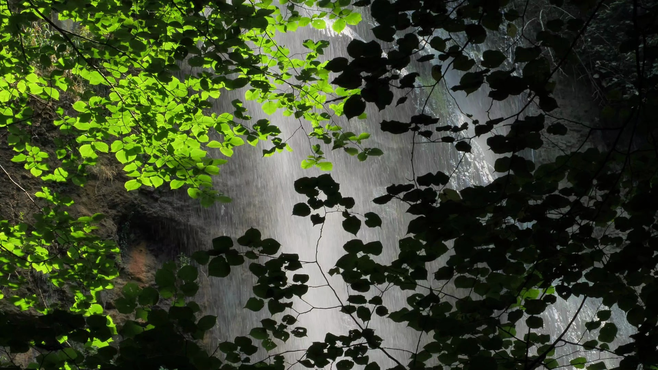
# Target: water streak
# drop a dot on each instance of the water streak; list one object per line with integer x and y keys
{"x": 262, "y": 189}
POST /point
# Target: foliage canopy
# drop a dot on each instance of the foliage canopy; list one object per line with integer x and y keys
{"x": 113, "y": 75}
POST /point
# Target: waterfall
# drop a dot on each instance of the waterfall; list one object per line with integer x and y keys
{"x": 263, "y": 197}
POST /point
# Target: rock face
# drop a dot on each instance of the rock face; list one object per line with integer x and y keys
{"x": 150, "y": 225}
{"x": 140, "y": 264}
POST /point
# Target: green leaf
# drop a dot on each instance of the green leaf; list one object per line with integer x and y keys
{"x": 35, "y": 172}
{"x": 214, "y": 144}
{"x": 156, "y": 181}
{"x": 339, "y": 25}
{"x": 95, "y": 78}
{"x": 165, "y": 277}
{"x": 95, "y": 309}
{"x": 319, "y": 24}
{"x": 125, "y": 306}
{"x": 175, "y": 184}
{"x": 258, "y": 333}
{"x": 375, "y": 152}
{"x": 579, "y": 362}
{"x": 87, "y": 151}
{"x": 353, "y": 18}
{"x": 193, "y": 193}
{"x": 188, "y": 273}
{"x": 351, "y": 151}
{"x": 136, "y": 45}
{"x": 80, "y": 106}
{"x": 101, "y": 147}
{"x": 123, "y": 157}
{"x": 130, "y": 290}
{"x": 270, "y": 107}
{"x": 268, "y": 344}
{"x": 132, "y": 185}
{"x": 238, "y": 83}
{"x": 324, "y": 166}
{"x": 117, "y": 145}
{"x": 130, "y": 329}
{"x": 149, "y": 296}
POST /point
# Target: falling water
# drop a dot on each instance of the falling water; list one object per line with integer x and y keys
{"x": 263, "y": 196}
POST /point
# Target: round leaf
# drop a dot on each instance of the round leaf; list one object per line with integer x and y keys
{"x": 219, "y": 267}
{"x": 188, "y": 273}
{"x": 354, "y": 106}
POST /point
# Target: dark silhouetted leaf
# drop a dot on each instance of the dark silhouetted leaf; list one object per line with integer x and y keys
{"x": 188, "y": 273}
{"x": 219, "y": 267}
{"x": 201, "y": 257}
{"x": 492, "y": 58}
{"x": 255, "y": 304}
{"x": 352, "y": 224}
{"x": 522, "y": 55}
{"x": 206, "y": 323}
{"x": 354, "y": 106}
{"x": 373, "y": 220}
{"x": 337, "y": 64}
{"x": 301, "y": 209}
{"x": 463, "y": 146}
{"x": 384, "y": 33}
{"x": 557, "y": 129}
